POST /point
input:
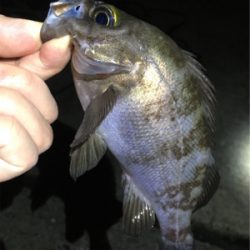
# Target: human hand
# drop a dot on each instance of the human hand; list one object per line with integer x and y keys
{"x": 27, "y": 107}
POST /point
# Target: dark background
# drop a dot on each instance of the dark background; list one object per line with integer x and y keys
{"x": 46, "y": 210}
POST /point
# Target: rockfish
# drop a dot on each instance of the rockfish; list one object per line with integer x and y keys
{"x": 150, "y": 104}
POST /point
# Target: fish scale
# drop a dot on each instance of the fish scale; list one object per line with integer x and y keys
{"x": 150, "y": 104}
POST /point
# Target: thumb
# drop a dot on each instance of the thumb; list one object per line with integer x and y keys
{"x": 50, "y": 59}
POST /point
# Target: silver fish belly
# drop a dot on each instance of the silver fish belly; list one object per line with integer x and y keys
{"x": 149, "y": 103}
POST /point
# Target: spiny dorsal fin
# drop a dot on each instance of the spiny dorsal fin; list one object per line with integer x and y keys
{"x": 137, "y": 213}
{"x": 206, "y": 89}
{"x": 87, "y": 156}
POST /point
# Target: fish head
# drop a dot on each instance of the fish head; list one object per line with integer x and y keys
{"x": 108, "y": 42}
{"x": 59, "y": 13}
{"x": 108, "y": 45}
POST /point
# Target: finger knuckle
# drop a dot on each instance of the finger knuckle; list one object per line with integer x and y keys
{"x": 10, "y": 129}
{"x": 46, "y": 139}
{"x": 26, "y": 163}
{"x": 15, "y": 144}
{"x": 24, "y": 79}
{"x": 53, "y": 114}
{"x": 30, "y": 161}
{"x": 8, "y": 99}
{"x": 8, "y": 125}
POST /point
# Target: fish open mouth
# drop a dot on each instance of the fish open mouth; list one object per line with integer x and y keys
{"x": 85, "y": 66}
{"x": 92, "y": 68}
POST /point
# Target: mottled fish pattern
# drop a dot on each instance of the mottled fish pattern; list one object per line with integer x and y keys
{"x": 150, "y": 104}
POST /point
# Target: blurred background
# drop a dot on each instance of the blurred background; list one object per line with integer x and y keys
{"x": 45, "y": 209}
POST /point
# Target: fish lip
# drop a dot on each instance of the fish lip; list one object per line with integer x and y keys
{"x": 44, "y": 34}
{"x": 47, "y": 32}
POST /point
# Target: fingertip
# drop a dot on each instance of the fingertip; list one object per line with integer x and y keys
{"x": 61, "y": 42}
{"x": 51, "y": 59}
{"x": 16, "y": 31}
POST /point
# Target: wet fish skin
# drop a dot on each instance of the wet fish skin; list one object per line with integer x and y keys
{"x": 149, "y": 103}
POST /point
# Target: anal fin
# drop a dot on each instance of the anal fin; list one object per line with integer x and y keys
{"x": 138, "y": 215}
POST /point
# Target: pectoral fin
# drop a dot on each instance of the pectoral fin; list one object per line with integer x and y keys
{"x": 137, "y": 213}
{"x": 87, "y": 156}
{"x": 94, "y": 115}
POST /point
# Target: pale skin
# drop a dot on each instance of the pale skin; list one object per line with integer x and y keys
{"x": 27, "y": 107}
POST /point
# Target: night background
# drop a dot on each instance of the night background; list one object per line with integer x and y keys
{"x": 45, "y": 209}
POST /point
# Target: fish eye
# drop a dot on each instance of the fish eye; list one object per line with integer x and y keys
{"x": 103, "y": 18}
{"x": 106, "y": 15}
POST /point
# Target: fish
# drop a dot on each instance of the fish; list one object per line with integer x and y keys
{"x": 149, "y": 103}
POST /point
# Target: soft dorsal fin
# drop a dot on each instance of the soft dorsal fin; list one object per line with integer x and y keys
{"x": 87, "y": 156}
{"x": 137, "y": 213}
{"x": 210, "y": 185}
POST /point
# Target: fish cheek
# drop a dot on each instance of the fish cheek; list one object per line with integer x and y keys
{"x": 119, "y": 44}
{"x": 115, "y": 52}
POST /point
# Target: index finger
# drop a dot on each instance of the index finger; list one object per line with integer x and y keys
{"x": 19, "y": 37}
